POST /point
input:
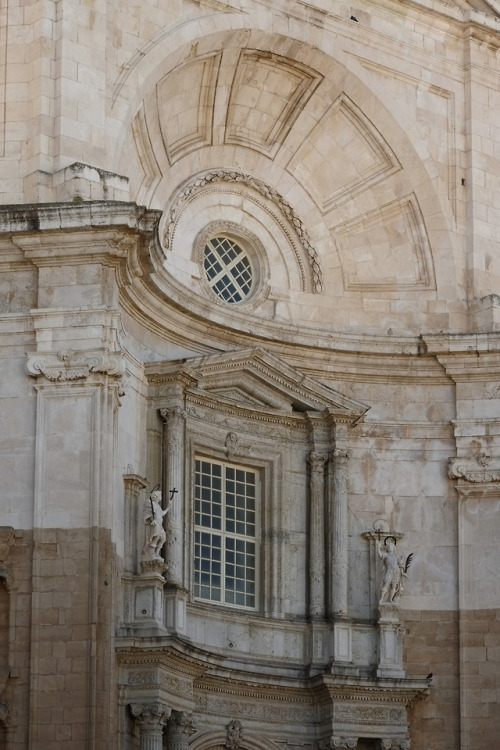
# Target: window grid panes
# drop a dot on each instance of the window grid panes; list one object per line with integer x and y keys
{"x": 227, "y": 269}
{"x": 225, "y": 533}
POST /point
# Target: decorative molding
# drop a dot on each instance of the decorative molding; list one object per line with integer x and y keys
{"x": 475, "y": 470}
{"x": 370, "y": 714}
{"x": 267, "y": 710}
{"x": 159, "y": 678}
{"x": 67, "y": 365}
{"x": 235, "y": 177}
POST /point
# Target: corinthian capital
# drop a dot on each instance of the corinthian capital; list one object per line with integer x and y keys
{"x": 182, "y": 722}
{"x": 317, "y": 461}
{"x": 150, "y": 715}
{"x": 340, "y": 455}
{"x": 173, "y": 416}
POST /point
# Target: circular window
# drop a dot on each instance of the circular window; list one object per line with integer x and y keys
{"x": 233, "y": 265}
{"x": 227, "y": 269}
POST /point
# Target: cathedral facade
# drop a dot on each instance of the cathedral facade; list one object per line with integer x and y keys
{"x": 250, "y": 360}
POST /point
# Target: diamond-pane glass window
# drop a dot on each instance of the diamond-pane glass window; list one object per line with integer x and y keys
{"x": 227, "y": 269}
{"x": 225, "y": 555}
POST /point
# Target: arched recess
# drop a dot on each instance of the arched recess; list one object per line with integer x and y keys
{"x": 396, "y": 193}
{"x": 220, "y": 741}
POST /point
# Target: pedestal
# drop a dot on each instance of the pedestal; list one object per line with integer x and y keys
{"x": 391, "y": 641}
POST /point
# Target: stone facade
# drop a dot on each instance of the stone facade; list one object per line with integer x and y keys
{"x": 249, "y": 244}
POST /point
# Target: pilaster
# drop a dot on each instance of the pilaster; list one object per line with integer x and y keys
{"x": 174, "y": 419}
{"x": 78, "y": 395}
{"x": 338, "y": 594}
{"x": 317, "y": 463}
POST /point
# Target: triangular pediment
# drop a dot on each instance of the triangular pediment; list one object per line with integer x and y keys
{"x": 258, "y": 378}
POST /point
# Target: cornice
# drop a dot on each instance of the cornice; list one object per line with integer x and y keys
{"x": 405, "y": 691}
{"x": 210, "y": 675}
{"x": 37, "y": 217}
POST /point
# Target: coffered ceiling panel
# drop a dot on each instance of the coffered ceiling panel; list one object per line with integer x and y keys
{"x": 185, "y": 99}
{"x": 343, "y": 155}
{"x": 267, "y": 95}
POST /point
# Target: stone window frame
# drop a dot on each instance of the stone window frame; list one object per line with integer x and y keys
{"x": 226, "y": 536}
{"x": 255, "y": 252}
{"x": 267, "y": 468}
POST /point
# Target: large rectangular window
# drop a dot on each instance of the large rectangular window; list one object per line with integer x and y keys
{"x": 225, "y": 506}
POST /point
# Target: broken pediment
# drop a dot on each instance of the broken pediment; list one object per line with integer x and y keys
{"x": 258, "y": 379}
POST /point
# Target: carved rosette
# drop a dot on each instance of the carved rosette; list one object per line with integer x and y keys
{"x": 67, "y": 365}
{"x": 234, "y": 735}
{"x": 151, "y": 718}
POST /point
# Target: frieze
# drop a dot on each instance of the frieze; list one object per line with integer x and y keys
{"x": 369, "y": 714}
{"x": 476, "y": 470}
{"x": 149, "y": 678}
{"x": 221, "y": 413}
{"x": 67, "y": 365}
{"x": 250, "y": 709}
{"x": 406, "y": 695}
{"x": 231, "y": 176}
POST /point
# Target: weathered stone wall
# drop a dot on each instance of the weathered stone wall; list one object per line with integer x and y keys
{"x": 432, "y": 647}
{"x": 356, "y": 153}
